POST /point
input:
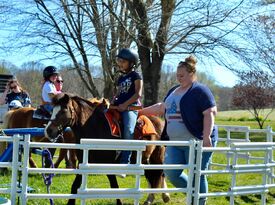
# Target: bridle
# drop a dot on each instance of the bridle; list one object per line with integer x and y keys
{"x": 60, "y": 128}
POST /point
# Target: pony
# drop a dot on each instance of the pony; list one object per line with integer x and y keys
{"x": 87, "y": 120}
{"x": 22, "y": 118}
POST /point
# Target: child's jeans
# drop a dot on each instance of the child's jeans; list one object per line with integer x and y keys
{"x": 129, "y": 119}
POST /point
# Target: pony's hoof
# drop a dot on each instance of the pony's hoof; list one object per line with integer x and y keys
{"x": 150, "y": 199}
{"x": 166, "y": 197}
{"x": 119, "y": 202}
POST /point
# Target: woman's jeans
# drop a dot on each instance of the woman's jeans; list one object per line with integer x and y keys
{"x": 180, "y": 155}
{"x": 129, "y": 119}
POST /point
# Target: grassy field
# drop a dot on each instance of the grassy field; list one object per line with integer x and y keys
{"x": 217, "y": 183}
{"x": 238, "y": 115}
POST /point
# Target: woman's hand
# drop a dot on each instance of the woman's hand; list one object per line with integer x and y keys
{"x": 207, "y": 142}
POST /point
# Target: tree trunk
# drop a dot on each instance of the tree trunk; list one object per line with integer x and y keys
{"x": 151, "y": 78}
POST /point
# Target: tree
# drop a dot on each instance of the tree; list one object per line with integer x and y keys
{"x": 85, "y": 31}
{"x": 255, "y": 93}
{"x": 6, "y": 67}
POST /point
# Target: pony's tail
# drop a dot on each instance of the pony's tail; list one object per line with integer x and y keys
{"x": 6, "y": 119}
{"x": 5, "y": 125}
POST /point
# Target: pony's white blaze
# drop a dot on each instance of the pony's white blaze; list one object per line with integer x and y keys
{"x": 55, "y": 111}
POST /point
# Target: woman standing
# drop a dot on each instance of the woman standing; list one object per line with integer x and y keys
{"x": 189, "y": 110}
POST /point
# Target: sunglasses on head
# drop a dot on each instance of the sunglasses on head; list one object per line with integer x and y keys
{"x": 59, "y": 81}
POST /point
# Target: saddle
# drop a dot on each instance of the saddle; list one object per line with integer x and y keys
{"x": 144, "y": 126}
{"x": 41, "y": 113}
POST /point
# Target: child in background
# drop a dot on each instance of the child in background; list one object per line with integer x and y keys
{"x": 48, "y": 89}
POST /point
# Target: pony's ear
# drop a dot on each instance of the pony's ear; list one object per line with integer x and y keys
{"x": 65, "y": 99}
{"x": 61, "y": 98}
{"x": 105, "y": 103}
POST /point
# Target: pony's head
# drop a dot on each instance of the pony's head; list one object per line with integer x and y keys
{"x": 69, "y": 110}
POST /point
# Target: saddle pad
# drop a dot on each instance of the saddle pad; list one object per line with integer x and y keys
{"x": 39, "y": 116}
{"x": 113, "y": 121}
{"x": 144, "y": 127}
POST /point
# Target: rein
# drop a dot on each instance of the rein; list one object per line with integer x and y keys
{"x": 47, "y": 177}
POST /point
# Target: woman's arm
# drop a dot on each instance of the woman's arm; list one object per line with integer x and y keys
{"x": 156, "y": 109}
{"x": 208, "y": 124}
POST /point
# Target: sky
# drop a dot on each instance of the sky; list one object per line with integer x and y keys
{"x": 223, "y": 76}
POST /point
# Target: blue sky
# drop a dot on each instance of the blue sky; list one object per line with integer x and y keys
{"x": 223, "y": 76}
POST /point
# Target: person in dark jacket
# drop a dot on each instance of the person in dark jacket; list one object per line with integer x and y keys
{"x": 189, "y": 109}
{"x": 13, "y": 92}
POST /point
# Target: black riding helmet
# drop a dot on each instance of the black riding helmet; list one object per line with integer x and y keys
{"x": 128, "y": 54}
{"x": 49, "y": 71}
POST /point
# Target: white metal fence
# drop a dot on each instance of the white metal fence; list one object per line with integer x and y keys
{"x": 233, "y": 151}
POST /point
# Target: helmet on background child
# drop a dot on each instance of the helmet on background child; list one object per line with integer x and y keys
{"x": 128, "y": 54}
{"x": 49, "y": 71}
{"x": 15, "y": 104}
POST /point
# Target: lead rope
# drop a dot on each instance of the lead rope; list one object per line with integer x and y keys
{"x": 47, "y": 177}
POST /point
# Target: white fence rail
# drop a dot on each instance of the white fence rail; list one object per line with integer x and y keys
{"x": 265, "y": 167}
{"x": 228, "y": 139}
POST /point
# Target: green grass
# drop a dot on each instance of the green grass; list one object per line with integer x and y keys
{"x": 217, "y": 183}
{"x": 238, "y": 114}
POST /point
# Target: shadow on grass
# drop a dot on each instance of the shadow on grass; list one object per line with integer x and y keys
{"x": 245, "y": 199}
{"x": 249, "y": 200}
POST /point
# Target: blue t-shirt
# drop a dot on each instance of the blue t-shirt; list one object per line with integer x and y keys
{"x": 126, "y": 87}
{"x": 23, "y": 97}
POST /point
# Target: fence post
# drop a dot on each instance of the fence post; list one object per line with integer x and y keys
{"x": 85, "y": 161}
{"x": 26, "y": 146}
{"x": 198, "y": 147}
{"x": 234, "y": 162}
{"x": 15, "y": 167}
{"x": 191, "y": 178}
{"x": 269, "y": 138}
{"x": 138, "y": 177}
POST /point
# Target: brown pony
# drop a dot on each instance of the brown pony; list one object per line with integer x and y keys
{"x": 22, "y": 118}
{"x": 87, "y": 120}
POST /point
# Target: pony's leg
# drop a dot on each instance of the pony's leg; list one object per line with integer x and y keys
{"x": 114, "y": 184}
{"x": 3, "y": 146}
{"x": 63, "y": 155}
{"x": 147, "y": 154}
{"x": 73, "y": 158}
{"x": 165, "y": 196}
{"x": 67, "y": 159}
{"x": 151, "y": 197}
{"x": 32, "y": 162}
{"x": 75, "y": 186}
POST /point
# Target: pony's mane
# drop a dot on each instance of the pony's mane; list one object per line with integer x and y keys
{"x": 91, "y": 101}
{"x": 98, "y": 101}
